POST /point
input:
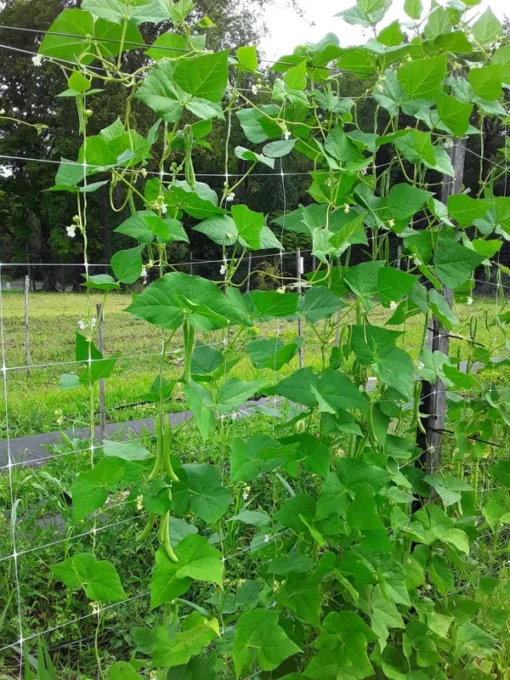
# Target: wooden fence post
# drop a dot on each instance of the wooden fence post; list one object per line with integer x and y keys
{"x": 100, "y": 346}
{"x": 434, "y": 395}
{"x": 26, "y": 290}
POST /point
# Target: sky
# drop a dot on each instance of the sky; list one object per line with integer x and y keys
{"x": 286, "y": 29}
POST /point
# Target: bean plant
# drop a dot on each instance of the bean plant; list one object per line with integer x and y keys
{"x": 364, "y": 560}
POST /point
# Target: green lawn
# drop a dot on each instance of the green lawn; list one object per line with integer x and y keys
{"x": 35, "y": 404}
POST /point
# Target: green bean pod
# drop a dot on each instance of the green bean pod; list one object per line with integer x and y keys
{"x": 164, "y": 536}
{"x": 159, "y": 447}
{"x": 167, "y": 461}
{"x": 146, "y": 530}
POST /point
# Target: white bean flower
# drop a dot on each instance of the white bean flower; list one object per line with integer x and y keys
{"x": 420, "y": 365}
{"x": 81, "y": 324}
{"x": 37, "y": 60}
{"x": 393, "y": 305}
{"x": 71, "y": 231}
{"x": 143, "y": 274}
{"x": 230, "y": 197}
{"x": 286, "y": 134}
{"x": 223, "y": 270}
{"x": 391, "y": 224}
{"x": 417, "y": 262}
{"x": 254, "y": 90}
{"x": 347, "y": 208}
{"x": 469, "y": 301}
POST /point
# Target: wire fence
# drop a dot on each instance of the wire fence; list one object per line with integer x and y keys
{"x": 22, "y": 377}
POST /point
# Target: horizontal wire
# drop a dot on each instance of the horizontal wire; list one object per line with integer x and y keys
{"x": 272, "y": 539}
{"x": 30, "y": 159}
{"x": 41, "y": 31}
{"x": 77, "y": 620}
{"x": 170, "y": 264}
{"x": 104, "y": 168}
{"x": 140, "y": 438}
{"x": 92, "y": 532}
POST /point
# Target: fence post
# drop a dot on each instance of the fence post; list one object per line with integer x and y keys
{"x": 26, "y": 290}
{"x": 299, "y": 270}
{"x": 100, "y": 346}
{"x": 433, "y": 395}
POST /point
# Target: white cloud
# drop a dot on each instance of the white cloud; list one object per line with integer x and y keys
{"x": 287, "y": 29}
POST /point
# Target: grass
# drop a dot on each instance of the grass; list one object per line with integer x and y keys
{"x": 44, "y": 528}
{"x": 35, "y": 404}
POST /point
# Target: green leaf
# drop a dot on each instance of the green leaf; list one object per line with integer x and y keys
{"x": 159, "y": 92}
{"x": 137, "y": 227}
{"x": 249, "y": 155}
{"x": 168, "y": 45}
{"x": 486, "y": 81}
{"x": 413, "y": 8}
{"x": 208, "y": 498}
{"x": 500, "y": 472}
{"x": 455, "y": 263}
{"x": 295, "y": 78}
{"x": 259, "y": 638}
{"x": 247, "y": 58}
{"x": 127, "y": 265}
{"x": 272, "y": 353}
{"x": 165, "y": 302}
{"x": 220, "y": 229}
{"x": 249, "y": 226}
{"x": 98, "y": 578}
{"x": 465, "y": 210}
{"x": 395, "y": 369}
{"x": 279, "y": 149}
{"x": 278, "y": 305}
{"x": 205, "y": 76}
{"x": 437, "y": 24}
{"x": 122, "y": 670}
{"x": 198, "y": 560}
{"x": 205, "y": 359}
{"x": 176, "y": 649}
{"x": 363, "y": 516}
{"x": 502, "y": 57}
{"x": 303, "y": 597}
{"x": 251, "y": 518}
{"x": 101, "y": 282}
{"x": 90, "y": 489}
{"x": 235, "y": 392}
{"x": 319, "y": 303}
{"x": 130, "y": 450}
{"x": 77, "y": 29}
{"x": 391, "y": 35}
{"x": 393, "y": 284}
{"x": 201, "y": 403}
{"x": 406, "y": 200}
{"x": 455, "y": 114}
{"x": 487, "y": 28}
{"x": 423, "y": 78}
{"x": 442, "y": 310}
{"x": 473, "y": 641}
{"x": 180, "y": 10}
{"x": 116, "y": 11}
{"x": 362, "y": 278}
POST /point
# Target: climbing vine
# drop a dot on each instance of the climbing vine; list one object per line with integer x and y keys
{"x": 369, "y": 562}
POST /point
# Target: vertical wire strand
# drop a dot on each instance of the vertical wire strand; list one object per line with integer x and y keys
{"x": 11, "y": 484}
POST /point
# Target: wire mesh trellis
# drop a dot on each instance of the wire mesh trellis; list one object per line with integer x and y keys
{"x": 286, "y": 264}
